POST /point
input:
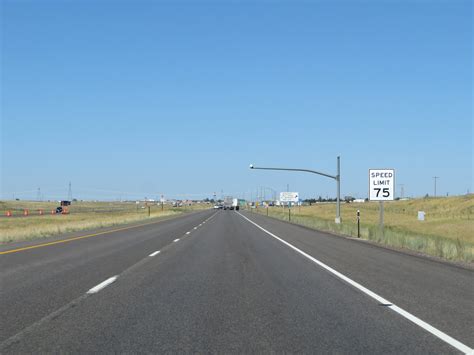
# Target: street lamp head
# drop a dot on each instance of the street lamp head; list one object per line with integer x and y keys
{"x": 251, "y": 166}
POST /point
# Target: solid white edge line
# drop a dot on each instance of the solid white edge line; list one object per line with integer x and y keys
{"x": 436, "y": 332}
{"x": 154, "y": 253}
{"x": 176, "y": 240}
{"x": 102, "y": 285}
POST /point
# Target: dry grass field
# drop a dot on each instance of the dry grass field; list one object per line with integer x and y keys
{"x": 447, "y": 232}
{"x": 82, "y": 216}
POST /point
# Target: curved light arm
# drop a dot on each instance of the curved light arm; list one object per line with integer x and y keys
{"x": 305, "y": 170}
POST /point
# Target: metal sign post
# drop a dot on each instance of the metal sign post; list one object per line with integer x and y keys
{"x": 381, "y": 218}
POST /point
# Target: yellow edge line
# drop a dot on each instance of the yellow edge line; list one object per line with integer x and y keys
{"x": 72, "y": 239}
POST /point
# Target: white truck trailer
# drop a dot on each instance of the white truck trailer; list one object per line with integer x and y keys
{"x": 235, "y": 204}
{"x": 228, "y": 202}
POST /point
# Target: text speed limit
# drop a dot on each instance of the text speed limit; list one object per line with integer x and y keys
{"x": 381, "y": 184}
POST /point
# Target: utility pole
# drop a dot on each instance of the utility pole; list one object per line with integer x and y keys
{"x": 402, "y": 190}
{"x": 69, "y": 193}
{"x": 38, "y": 194}
{"x": 435, "y": 178}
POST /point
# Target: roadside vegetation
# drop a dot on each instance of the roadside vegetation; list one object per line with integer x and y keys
{"x": 446, "y": 232}
{"x": 82, "y": 216}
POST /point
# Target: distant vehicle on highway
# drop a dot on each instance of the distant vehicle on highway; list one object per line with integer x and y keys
{"x": 235, "y": 204}
{"x": 228, "y": 201}
{"x": 59, "y": 210}
{"x": 231, "y": 203}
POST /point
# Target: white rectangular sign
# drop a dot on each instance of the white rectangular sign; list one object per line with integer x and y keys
{"x": 289, "y": 196}
{"x": 381, "y": 184}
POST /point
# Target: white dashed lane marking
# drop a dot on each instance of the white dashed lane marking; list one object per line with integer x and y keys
{"x": 102, "y": 285}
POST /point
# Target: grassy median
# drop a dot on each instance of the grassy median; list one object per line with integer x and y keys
{"x": 82, "y": 216}
{"x": 447, "y": 232}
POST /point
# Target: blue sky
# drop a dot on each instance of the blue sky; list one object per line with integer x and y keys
{"x": 139, "y": 98}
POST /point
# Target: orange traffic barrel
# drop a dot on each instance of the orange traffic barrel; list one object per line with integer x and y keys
{"x": 26, "y": 212}
{"x": 9, "y": 213}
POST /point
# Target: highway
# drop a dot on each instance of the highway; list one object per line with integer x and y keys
{"x": 228, "y": 281}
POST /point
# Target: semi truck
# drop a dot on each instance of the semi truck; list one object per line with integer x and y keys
{"x": 228, "y": 202}
{"x": 235, "y": 204}
{"x": 231, "y": 203}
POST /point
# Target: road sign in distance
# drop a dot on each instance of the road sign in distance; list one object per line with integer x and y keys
{"x": 289, "y": 196}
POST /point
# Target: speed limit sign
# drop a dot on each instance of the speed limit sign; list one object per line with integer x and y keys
{"x": 381, "y": 184}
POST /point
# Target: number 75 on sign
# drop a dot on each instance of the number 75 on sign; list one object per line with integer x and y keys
{"x": 381, "y": 184}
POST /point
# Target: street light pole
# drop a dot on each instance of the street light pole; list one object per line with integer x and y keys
{"x": 335, "y": 177}
{"x": 338, "y": 182}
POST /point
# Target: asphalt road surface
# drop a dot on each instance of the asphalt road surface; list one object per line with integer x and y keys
{"x": 224, "y": 281}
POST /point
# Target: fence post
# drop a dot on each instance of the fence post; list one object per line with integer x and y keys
{"x": 358, "y": 223}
